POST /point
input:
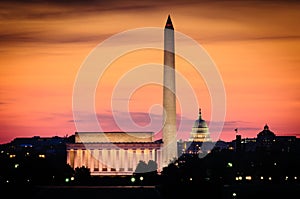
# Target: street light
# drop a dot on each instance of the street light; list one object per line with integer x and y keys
{"x": 132, "y": 179}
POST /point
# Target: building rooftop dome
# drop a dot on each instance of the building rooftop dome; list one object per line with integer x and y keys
{"x": 266, "y": 132}
{"x": 200, "y": 123}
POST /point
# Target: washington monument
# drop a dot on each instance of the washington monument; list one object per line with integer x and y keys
{"x": 169, "y": 96}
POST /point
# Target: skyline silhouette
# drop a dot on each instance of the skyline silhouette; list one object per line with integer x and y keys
{"x": 255, "y": 46}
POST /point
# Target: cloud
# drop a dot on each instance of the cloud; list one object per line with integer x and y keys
{"x": 143, "y": 121}
{"x": 133, "y": 121}
{"x": 41, "y": 37}
{"x": 59, "y": 9}
{"x": 254, "y": 37}
{"x": 230, "y": 126}
{"x": 30, "y": 18}
{"x": 73, "y": 121}
{"x": 50, "y": 9}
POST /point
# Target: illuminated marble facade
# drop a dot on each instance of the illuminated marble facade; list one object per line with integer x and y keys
{"x": 200, "y": 131}
{"x": 199, "y": 142}
{"x": 112, "y": 153}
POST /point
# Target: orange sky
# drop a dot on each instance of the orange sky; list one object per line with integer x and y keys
{"x": 255, "y": 45}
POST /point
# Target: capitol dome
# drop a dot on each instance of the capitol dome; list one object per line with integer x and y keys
{"x": 200, "y": 123}
{"x": 200, "y": 132}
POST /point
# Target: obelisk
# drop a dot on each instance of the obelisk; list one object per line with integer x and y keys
{"x": 169, "y": 97}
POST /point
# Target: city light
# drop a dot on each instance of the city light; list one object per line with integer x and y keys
{"x": 132, "y": 179}
{"x": 233, "y": 195}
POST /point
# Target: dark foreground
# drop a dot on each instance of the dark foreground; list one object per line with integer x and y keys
{"x": 241, "y": 191}
{"x": 83, "y": 192}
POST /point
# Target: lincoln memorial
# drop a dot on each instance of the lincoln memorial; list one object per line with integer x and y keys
{"x": 113, "y": 153}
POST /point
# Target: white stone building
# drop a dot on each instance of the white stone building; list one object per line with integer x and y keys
{"x": 113, "y": 153}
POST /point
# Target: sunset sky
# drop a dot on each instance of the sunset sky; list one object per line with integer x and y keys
{"x": 254, "y": 44}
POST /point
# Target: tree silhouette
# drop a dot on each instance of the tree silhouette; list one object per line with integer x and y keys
{"x": 146, "y": 172}
{"x": 143, "y": 167}
{"x": 152, "y": 166}
{"x": 82, "y": 175}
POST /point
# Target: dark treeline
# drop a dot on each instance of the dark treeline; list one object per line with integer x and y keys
{"x": 219, "y": 174}
{"x": 226, "y": 174}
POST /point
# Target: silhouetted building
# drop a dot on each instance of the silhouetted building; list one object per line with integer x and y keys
{"x": 238, "y": 143}
{"x": 285, "y": 144}
{"x": 43, "y": 146}
{"x": 265, "y": 139}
